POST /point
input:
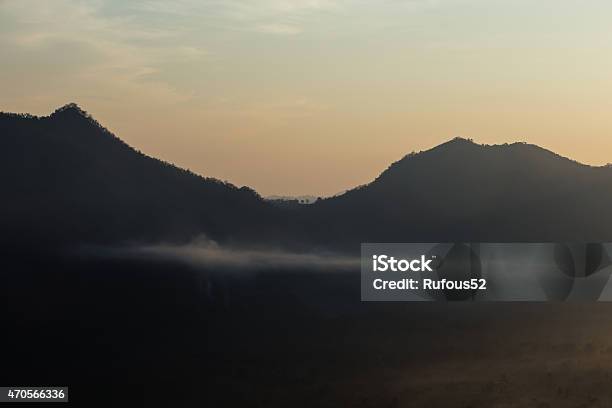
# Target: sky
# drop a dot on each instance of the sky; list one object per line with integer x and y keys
{"x": 315, "y": 96}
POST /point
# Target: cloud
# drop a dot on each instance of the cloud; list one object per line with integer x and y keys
{"x": 114, "y": 53}
{"x": 279, "y": 17}
{"x": 283, "y": 29}
{"x": 129, "y": 50}
{"x": 236, "y": 9}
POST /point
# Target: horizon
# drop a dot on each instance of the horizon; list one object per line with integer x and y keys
{"x": 84, "y": 112}
{"x": 314, "y": 97}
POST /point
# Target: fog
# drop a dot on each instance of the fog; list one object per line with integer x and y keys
{"x": 209, "y": 254}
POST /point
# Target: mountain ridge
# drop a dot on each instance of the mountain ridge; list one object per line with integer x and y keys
{"x": 74, "y": 111}
{"x": 462, "y": 191}
{"x": 77, "y": 181}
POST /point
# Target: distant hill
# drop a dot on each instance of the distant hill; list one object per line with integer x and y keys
{"x": 303, "y": 199}
{"x": 291, "y": 203}
{"x": 65, "y": 178}
{"x": 462, "y": 191}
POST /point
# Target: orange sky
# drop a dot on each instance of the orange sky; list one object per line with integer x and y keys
{"x": 316, "y": 96}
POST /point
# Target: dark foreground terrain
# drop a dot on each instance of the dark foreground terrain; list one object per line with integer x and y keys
{"x": 137, "y": 332}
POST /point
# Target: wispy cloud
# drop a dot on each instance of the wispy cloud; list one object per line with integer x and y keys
{"x": 283, "y": 29}
{"x": 280, "y": 17}
{"x": 115, "y": 50}
{"x": 237, "y": 9}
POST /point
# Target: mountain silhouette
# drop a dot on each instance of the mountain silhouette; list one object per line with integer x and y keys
{"x": 462, "y": 191}
{"x": 67, "y": 179}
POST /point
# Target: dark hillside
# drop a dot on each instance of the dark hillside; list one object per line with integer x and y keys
{"x": 65, "y": 178}
{"x": 461, "y": 191}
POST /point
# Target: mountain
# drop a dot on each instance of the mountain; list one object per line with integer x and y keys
{"x": 462, "y": 191}
{"x": 66, "y": 179}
